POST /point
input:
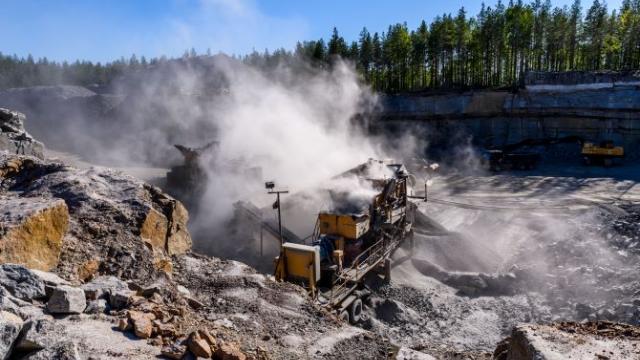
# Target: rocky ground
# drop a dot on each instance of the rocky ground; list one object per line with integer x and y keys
{"x": 97, "y": 264}
{"x": 107, "y": 272}
{"x": 501, "y": 250}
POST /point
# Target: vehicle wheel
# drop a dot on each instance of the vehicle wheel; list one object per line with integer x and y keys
{"x": 355, "y": 311}
{"x": 344, "y": 316}
{"x": 608, "y": 162}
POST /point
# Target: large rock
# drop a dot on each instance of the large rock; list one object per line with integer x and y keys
{"x": 199, "y": 346}
{"x": 38, "y": 334}
{"x": 601, "y": 340}
{"x": 81, "y": 337}
{"x": 67, "y": 300}
{"x": 31, "y": 231}
{"x": 229, "y": 351}
{"x": 113, "y": 222}
{"x": 21, "y": 282}
{"x": 177, "y": 237}
{"x": 14, "y": 138}
{"x": 142, "y": 323}
{"x": 66, "y": 350}
{"x": 10, "y": 326}
{"x": 103, "y": 286}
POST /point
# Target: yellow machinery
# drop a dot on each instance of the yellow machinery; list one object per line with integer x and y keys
{"x": 604, "y": 153}
{"x": 347, "y": 245}
{"x": 301, "y": 263}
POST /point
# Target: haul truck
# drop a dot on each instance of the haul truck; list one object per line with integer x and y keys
{"x": 605, "y": 153}
{"x": 350, "y": 243}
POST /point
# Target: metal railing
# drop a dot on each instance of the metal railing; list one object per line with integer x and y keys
{"x": 361, "y": 265}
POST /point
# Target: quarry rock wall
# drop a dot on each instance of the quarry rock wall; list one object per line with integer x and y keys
{"x": 496, "y": 118}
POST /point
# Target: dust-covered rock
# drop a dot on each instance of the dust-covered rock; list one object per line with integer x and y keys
{"x": 103, "y": 286}
{"x": 67, "y": 300}
{"x": 125, "y": 227}
{"x": 10, "y": 327}
{"x": 21, "y": 282}
{"x": 14, "y": 138}
{"x": 38, "y": 334}
{"x": 67, "y": 350}
{"x": 601, "y": 340}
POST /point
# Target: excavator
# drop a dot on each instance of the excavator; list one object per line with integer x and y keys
{"x": 351, "y": 242}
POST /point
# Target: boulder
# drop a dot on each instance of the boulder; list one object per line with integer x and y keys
{"x": 10, "y": 327}
{"x": 51, "y": 280}
{"x": 108, "y": 221}
{"x": 103, "y": 286}
{"x": 566, "y": 340}
{"x": 199, "y": 346}
{"x": 67, "y": 300}
{"x": 228, "y": 351}
{"x": 21, "y": 282}
{"x": 142, "y": 323}
{"x": 96, "y": 306}
{"x": 14, "y": 138}
{"x": 38, "y": 334}
{"x": 32, "y": 231}
{"x": 65, "y": 350}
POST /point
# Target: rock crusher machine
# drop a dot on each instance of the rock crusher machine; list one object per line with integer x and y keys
{"x": 349, "y": 245}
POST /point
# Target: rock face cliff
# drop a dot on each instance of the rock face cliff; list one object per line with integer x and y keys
{"x": 496, "y": 118}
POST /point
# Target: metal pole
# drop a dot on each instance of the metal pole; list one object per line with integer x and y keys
{"x": 279, "y": 220}
{"x": 425, "y": 189}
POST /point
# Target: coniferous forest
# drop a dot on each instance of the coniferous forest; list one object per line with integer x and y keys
{"x": 493, "y": 48}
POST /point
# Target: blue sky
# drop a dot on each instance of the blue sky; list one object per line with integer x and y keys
{"x": 107, "y": 29}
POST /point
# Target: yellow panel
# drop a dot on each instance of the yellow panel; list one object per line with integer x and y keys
{"x": 348, "y": 226}
{"x": 298, "y": 263}
{"x": 328, "y": 223}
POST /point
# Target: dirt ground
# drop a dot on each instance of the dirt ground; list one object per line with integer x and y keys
{"x": 557, "y": 243}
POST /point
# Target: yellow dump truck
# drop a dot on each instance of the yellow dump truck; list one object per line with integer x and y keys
{"x": 348, "y": 245}
{"x": 605, "y": 153}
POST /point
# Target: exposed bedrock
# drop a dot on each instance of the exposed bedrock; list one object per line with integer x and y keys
{"x": 85, "y": 222}
{"x": 495, "y": 118}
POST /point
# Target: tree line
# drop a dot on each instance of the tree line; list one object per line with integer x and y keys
{"x": 494, "y": 48}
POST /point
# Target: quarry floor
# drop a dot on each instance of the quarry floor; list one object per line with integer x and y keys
{"x": 565, "y": 236}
